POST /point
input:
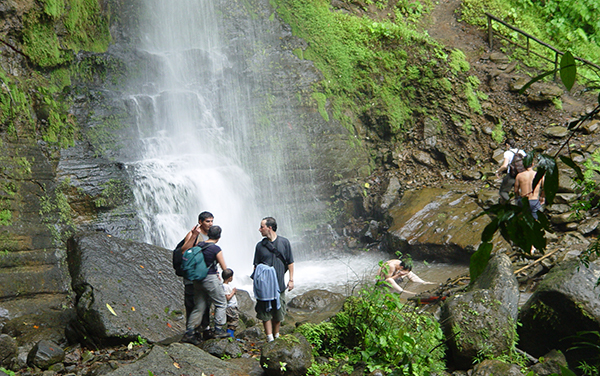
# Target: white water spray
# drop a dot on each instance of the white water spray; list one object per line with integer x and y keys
{"x": 188, "y": 162}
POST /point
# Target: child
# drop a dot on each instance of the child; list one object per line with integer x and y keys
{"x": 232, "y": 311}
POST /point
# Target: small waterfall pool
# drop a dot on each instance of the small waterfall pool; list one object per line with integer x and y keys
{"x": 344, "y": 272}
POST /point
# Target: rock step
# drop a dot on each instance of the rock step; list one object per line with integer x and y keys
{"x": 31, "y": 280}
{"x": 12, "y": 259}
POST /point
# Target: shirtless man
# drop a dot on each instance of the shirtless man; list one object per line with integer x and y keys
{"x": 394, "y": 269}
{"x": 524, "y": 188}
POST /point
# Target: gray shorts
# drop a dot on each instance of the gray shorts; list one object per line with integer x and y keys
{"x": 274, "y": 314}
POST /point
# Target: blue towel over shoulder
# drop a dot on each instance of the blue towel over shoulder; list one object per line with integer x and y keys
{"x": 266, "y": 287}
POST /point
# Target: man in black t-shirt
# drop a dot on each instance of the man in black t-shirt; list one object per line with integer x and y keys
{"x": 274, "y": 251}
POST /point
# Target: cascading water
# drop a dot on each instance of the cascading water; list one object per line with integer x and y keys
{"x": 188, "y": 162}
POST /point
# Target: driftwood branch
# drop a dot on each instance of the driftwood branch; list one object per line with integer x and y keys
{"x": 536, "y": 261}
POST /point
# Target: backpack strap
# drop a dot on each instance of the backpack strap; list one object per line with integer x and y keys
{"x": 269, "y": 245}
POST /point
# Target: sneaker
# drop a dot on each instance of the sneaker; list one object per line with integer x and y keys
{"x": 208, "y": 334}
{"x": 220, "y": 333}
{"x": 190, "y": 338}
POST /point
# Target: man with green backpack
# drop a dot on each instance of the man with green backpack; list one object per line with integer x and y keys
{"x": 200, "y": 267}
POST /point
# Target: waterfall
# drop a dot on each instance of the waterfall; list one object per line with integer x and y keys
{"x": 188, "y": 160}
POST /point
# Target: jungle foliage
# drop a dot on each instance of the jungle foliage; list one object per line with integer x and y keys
{"x": 377, "y": 329}
{"x": 517, "y": 225}
{"x": 569, "y": 25}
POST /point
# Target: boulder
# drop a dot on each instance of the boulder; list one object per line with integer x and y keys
{"x": 499, "y": 58}
{"x": 31, "y": 328}
{"x": 436, "y": 224}
{"x": 482, "y": 320}
{"x": 222, "y": 347}
{"x": 498, "y": 277}
{"x": 565, "y": 302}
{"x": 124, "y": 290}
{"x": 8, "y": 350}
{"x": 493, "y": 367}
{"x": 391, "y": 193}
{"x": 588, "y": 225}
{"x": 424, "y": 158}
{"x": 289, "y": 355}
{"x": 317, "y": 300}
{"x": 590, "y": 127}
{"x": 44, "y": 354}
{"x": 179, "y": 359}
{"x": 556, "y": 132}
{"x": 550, "y": 364}
{"x": 543, "y": 92}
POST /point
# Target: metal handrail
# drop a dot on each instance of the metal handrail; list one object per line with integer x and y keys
{"x": 557, "y": 52}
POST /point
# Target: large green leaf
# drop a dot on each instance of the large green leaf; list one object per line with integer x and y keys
{"x": 568, "y": 70}
{"x": 569, "y": 162}
{"x": 479, "y": 260}
{"x": 489, "y": 231}
{"x": 547, "y": 165}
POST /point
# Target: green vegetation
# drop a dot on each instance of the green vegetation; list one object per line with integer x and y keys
{"x": 517, "y": 225}
{"x": 373, "y": 78}
{"x": 571, "y": 25}
{"x": 86, "y": 26}
{"x": 377, "y": 329}
{"x": 7, "y": 371}
{"x": 35, "y": 106}
{"x": 498, "y": 133}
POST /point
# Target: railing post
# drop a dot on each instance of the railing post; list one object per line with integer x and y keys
{"x": 489, "y": 30}
{"x": 527, "y": 46}
{"x": 555, "y": 64}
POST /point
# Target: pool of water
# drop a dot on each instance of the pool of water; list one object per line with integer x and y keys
{"x": 344, "y": 273}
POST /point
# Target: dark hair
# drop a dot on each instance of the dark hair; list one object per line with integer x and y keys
{"x": 204, "y": 216}
{"x": 511, "y": 142}
{"x": 214, "y": 232}
{"x": 270, "y": 222}
{"x": 226, "y": 274}
{"x": 406, "y": 265}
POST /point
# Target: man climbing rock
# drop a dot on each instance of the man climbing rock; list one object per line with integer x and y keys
{"x": 509, "y": 179}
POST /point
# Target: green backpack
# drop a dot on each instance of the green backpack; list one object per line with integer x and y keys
{"x": 193, "y": 265}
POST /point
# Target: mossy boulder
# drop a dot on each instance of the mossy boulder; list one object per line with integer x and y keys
{"x": 288, "y": 355}
{"x": 566, "y": 302}
{"x": 482, "y": 321}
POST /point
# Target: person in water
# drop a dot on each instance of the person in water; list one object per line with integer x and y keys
{"x": 394, "y": 270}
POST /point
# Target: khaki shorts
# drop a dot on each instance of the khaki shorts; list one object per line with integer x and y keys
{"x": 274, "y": 314}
